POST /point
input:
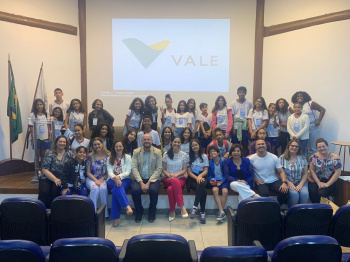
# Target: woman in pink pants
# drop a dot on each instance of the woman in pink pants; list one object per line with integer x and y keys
{"x": 174, "y": 168}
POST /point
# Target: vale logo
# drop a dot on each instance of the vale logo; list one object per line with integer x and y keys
{"x": 144, "y": 53}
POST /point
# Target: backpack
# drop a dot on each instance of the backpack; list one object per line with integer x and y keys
{"x": 215, "y": 143}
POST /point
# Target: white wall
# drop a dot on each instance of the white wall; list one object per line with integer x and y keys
{"x": 28, "y": 48}
{"x": 314, "y": 59}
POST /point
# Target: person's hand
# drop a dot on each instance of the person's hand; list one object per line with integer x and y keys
{"x": 226, "y": 136}
{"x": 259, "y": 182}
{"x": 283, "y": 188}
{"x": 98, "y": 182}
{"x": 118, "y": 183}
{"x": 171, "y": 176}
{"x": 252, "y": 135}
{"x": 317, "y": 123}
{"x": 219, "y": 183}
{"x": 64, "y": 191}
{"x": 161, "y": 109}
{"x": 199, "y": 179}
{"x": 115, "y": 179}
{"x": 284, "y": 124}
{"x": 205, "y": 135}
{"x": 298, "y": 188}
{"x": 294, "y": 138}
{"x": 57, "y": 182}
{"x": 291, "y": 185}
{"x": 243, "y": 181}
{"x": 322, "y": 185}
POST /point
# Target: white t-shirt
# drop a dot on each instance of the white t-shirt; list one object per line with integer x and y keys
{"x": 75, "y": 118}
{"x": 222, "y": 148}
{"x": 175, "y": 166}
{"x": 64, "y": 106}
{"x": 202, "y": 118}
{"x": 310, "y": 113}
{"x": 257, "y": 118}
{"x": 41, "y": 128}
{"x": 181, "y": 121}
{"x": 240, "y": 110}
{"x": 265, "y": 167}
{"x": 57, "y": 125}
{"x": 197, "y": 166}
{"x": 185, "y": 147}
{"x": 154, "y": 135}
{"x": 270, "y": 129}
{"x": 193, "y": 119}
{"x": 169, "y": 116}
{"x": 75, "y": 144}
{"x": 222, "y": 118}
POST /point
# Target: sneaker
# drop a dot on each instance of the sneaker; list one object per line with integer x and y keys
{"x": 220, "y": 217}
{"x": 193, "y": 213}
{"x": 202, "y": 219}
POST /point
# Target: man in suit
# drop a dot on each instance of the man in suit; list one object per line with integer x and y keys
{"x": 146, "y": 169}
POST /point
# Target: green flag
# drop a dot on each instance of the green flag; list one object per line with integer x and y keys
{"x": 13, "y": 110}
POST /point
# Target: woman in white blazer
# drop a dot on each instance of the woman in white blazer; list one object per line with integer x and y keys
{"x": 298, "y": 126}
{"x": 119, "y": 169}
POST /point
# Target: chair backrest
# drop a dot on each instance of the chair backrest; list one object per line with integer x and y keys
{"x": 20, "y": 250}
{"x": 157, "y": 247}
{"x": 258, "y": 219}
{"x": 24, "y": 218}
{"x": 71, "y": 217}
{"x": 341, "y": 226}
{"x": 87, "y": 249}
{"x": 308, "y": 219}
{"x": 308, "y": 248}
{"x": 234, "y": 254}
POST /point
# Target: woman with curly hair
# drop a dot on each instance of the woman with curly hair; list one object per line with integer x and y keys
{"x": 310, "y": 108}
{"x": 105, "y": 132}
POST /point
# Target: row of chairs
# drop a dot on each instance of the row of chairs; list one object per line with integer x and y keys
{"x": 261, "y": 219}
{"x": 169, "y": 247}
{"x": 70, "y": 216}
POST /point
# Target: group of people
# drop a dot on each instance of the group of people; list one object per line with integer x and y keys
{"x": 242, "y": 156}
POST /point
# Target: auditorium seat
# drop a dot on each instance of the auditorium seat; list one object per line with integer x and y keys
{"x": 24, "y": 218}
{"x": 255, "y": 219}
{"x": 158, "y": 247}
{"x": 20, "y": 250}
{"x": 341, "y": 226}
{"x": 308, "y": 249}
{"x": 87, "y": 249}
{"x": 234, "y": 254}
{"x": 74, "y": 216}
{"x": 308, "y": 219}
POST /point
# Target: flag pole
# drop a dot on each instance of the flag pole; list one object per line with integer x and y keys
{"x": 36, "y": 90}
{"x": 10, "y": 117}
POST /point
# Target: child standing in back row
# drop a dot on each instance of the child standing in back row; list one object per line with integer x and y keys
{"x": 205, "y": 126}
{"x": 272, "y": 128}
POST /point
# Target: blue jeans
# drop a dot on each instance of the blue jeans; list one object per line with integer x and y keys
{"x": 301, "y": 197}
{"x": 303, "y": 144}
{"x": 119, "y": 199}
{"x": 313, "y": 135}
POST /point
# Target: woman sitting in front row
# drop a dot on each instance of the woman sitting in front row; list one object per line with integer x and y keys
{"x": 239, "y": 173}
{"x": 294, "y": 165}
{"x": 325, "y": 169}
{"x": 119, "y": 169}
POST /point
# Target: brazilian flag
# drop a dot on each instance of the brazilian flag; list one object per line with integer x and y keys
{"x": 13, "y": 110}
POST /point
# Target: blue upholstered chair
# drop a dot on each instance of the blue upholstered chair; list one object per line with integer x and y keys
{"x": 87, "y": 249}
{"x": 308, "y": 249}
{"x": 74, "y": 216}
{"x": 25, "y": 219}
{"x": 234, "y": 254}
{"x": 341, "y": 226}
{"x": 20, "y": 250}
{"x": 308, "y": 219}
{"x": 255, "y": 219}
{"x": 158, "y": 247}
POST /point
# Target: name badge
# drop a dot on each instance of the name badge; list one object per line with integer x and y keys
{"x": 196, "y": 169}
{"x": 242, "y": 112}
{"x": 271, "y": 127}
{"x": 81, "y": 174}
{"x": 41, "y": 128}
{"x": 154, "y": 118}
{"x": 94, "y": 121}
{"x": 181, "y": 121}
{"x": 137, "y": 124}
{"x": 296, "y": 126}
{"x": 168, "y": 119}
{"x": 220, "y": 118}
{"x": 57, "y": 132}
{"x": 258, "y": 122}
